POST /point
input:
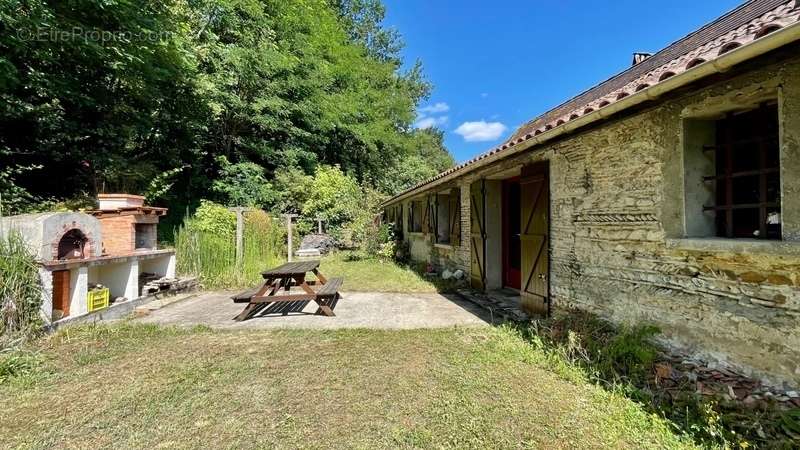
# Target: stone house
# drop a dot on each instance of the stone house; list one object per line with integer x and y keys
{"x": 668, "y": 194}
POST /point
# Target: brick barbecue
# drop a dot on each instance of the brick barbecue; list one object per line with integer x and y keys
{"x": 113, "y": 248}
{"x": 128, "y": 225}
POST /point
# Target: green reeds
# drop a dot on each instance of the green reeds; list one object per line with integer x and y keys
{"x": 20, "y": 290}
{"x": 212, "y": 256}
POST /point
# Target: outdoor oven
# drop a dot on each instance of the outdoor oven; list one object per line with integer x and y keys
{"x": 58, "y": 236}
{"x": 100, "y": 255}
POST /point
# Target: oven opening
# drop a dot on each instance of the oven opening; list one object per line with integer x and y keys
{"x": 145, "y": 236}
{"x": 72, "y": 244}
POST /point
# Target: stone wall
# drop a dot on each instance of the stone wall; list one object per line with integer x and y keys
{"x": 618, "y": 225}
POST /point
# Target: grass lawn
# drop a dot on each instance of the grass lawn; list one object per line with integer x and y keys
{"x": 140, "y": 386}
{"x": 374, "y": 275}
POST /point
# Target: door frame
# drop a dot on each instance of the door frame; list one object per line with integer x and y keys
{"x": 506, "y": 238}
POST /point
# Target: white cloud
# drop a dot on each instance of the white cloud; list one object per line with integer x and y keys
{"x": 434, "y": 109}
{"x": 430, "y": 122}
{"x": 481, "y": 131}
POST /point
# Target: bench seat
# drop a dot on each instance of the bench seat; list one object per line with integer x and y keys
{"x": 331, "y": 288}
{"x": 244, "y": 297}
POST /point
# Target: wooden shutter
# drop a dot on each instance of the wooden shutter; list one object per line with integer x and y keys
{"x": 434, "y": 216}
{"x": 398, "y": 224}
{"x": 477, "y": 241}
{"x": 454, "y": 205}
{"x": 426, "y": 216}
{"x": 535, "y": 239}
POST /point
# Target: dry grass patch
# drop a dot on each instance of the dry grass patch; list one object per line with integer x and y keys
{"x": 146, "y": 386}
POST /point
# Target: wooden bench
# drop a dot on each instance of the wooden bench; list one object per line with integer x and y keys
{"x": 330, "y": 288}
{"x": 244, "y": 297}
{"x": 327, "y": 295}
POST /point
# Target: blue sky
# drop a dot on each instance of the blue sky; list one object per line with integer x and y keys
{"x": 497, "y": 64}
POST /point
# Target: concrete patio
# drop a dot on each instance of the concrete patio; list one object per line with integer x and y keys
{"x": 353, "y": 310}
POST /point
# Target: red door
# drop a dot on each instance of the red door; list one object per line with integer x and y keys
{"x": 512, "y": 249}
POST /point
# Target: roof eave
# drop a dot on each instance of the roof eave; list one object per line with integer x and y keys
{"x": 720, "y": 64}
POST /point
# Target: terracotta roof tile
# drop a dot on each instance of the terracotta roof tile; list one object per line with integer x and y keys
{"x": 743, "y": 15}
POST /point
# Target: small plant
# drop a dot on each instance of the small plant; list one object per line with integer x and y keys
{"x": 17, "y": 364}
{"x": 629, "y": 355}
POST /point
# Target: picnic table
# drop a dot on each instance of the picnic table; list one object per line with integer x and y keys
{"x": 283, "y": 278}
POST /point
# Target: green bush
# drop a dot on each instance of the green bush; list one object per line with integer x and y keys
{"x": 362, "y": 230}
{"x": 333, "y": 196}
{"x": 20, "y": 289}
{"x": 630, "y": 354}
{"x": 213, "y": 218}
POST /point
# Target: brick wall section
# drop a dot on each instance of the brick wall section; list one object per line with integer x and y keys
{"x": 616, "y": 203}
{"x": 119, "y": 232}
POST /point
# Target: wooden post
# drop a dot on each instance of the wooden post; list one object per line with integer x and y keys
{"x": 239, "y": 237}
{"x": 319, "y": 225}
{"x": 239, "y": 234}
{"x": 289, "y": 234}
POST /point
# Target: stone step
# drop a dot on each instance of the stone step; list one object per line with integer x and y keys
{"x": 498, "y": 308}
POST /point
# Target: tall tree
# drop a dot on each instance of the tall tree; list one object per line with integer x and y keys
{"x": 97, "y": 92}
{"x": 363, "y": 21}
{"x": 153, "y": 95}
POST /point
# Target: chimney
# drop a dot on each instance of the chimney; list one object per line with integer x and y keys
{"x": 639, "y": 57}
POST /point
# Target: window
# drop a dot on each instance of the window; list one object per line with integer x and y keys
{"x": 443, "y": 219}
{"x": 744, "y": 187}
{"x": 397, "y": 222}
{"x": 448, "y": 217}
{"x": 415, "y": 211}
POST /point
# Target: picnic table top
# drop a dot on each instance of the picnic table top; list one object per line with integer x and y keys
{"x": 291, "y": 268}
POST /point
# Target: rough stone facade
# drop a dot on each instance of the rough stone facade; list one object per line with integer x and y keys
{"x": 618, "y": 227}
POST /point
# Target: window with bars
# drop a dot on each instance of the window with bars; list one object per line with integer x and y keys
{"x": 746, "y": 183}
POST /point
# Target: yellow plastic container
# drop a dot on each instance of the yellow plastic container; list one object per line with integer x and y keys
{"x": 97, "y": 299}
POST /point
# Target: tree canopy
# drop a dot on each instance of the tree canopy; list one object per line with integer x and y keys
{"x": 241, "y": 101}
